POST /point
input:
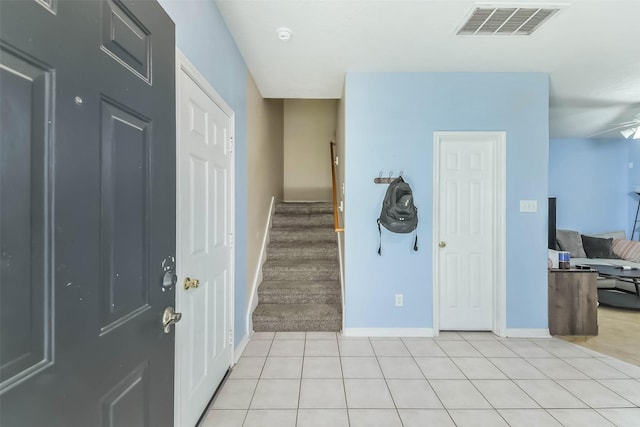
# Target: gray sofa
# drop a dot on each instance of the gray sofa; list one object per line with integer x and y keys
{"x": 602, "y": 282}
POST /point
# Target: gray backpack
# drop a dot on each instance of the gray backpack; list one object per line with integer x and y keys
{"x": 399, "y": 214}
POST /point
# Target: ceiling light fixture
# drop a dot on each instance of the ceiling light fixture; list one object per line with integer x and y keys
{"x": 631, "y": 131}
{"x": 284, "y": 34}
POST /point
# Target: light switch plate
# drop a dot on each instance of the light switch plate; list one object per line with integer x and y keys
{"x": 399, "y": 300}
{"x": 528, "y": 206}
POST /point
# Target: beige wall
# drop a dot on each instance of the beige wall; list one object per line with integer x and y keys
{"x": 309, "y": 125}
{"x": 265, "y": 169}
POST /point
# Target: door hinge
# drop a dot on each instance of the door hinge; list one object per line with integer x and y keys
{"x": 230, "y": 240}
{"x": 230, "y": 337}
{"x": 230, "y": 144}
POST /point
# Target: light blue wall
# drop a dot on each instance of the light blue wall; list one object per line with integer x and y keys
{"x": 390, "y": 120}
{"x": 203, "y": 37}
{"x": 590, "y": 178}
{"x": 634, "y": 180}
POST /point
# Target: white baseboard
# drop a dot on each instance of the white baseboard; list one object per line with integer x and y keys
{"x": 237, "y": 352}
{"x": 527, "y": 333}
{"x": 257, "y": 278}
{"x": 387, "y": 332}
{"x": 428, "y": 332}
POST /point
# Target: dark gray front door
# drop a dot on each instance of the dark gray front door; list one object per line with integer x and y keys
{"x": 87, "y": 205}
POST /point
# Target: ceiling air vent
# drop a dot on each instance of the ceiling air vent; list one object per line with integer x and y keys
{"x": 505, "y": 21}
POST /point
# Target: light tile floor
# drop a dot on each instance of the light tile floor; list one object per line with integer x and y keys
{"x": 315, "y": 379}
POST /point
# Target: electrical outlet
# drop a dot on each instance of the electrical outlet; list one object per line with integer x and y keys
{"x": 399, "y": 300}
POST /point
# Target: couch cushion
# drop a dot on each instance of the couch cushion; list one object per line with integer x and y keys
{"x": 569, "y": 240}
{"x": 596, "y": 247}
{"x": 627, "y": 249}
{"x": 615, "y": 234}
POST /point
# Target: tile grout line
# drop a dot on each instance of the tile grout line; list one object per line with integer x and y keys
{"x": 604, "y": 360}
{"x": 427, "y": 379}
{"x": 524, "y": 360}
{"x": 476, "y": 387}
{"x": 344, "y": 387}
{"x": 523, "y": 390}
{"x": 507, "y": 379}
{"x": 548, "y": 379}
{"x": 589, "y": 377}
{"x": 384, "y": 377}
{"x": 304, "y": 350}
{"x": 555, "y": 380}
{"x": 612, "y": 390}
{"x": 246, "y": 415}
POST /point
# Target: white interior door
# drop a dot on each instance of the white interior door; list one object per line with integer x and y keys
{"x": 465, "y": 230}
{"x": 205, "y": 223}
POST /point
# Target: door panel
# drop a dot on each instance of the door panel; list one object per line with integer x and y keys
{"x": 126, "y": 39}
{"x": 89, "y": 180}
{"x": 125, "y": 245}
{"x": 127, "y": 403}
{"x": 467, "y": 207}
{"x": 205, "y": 251}
{"x": 199, "y": 206}
{"x": 25, "y": 306}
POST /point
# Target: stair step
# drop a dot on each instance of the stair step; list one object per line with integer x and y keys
{"x": 300, "y": 270}
{"x": 299, "y": 292}
{"x": 297, "y": 317}
{"x": 302, "y": 220}
{"x": 304, "y": 208}
{"x": 300, "y": 289}
{"x": 309, "y": 235}
{"x": 302, "y": 250}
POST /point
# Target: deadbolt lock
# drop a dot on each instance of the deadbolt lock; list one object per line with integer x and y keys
{"x": 190, "y": 283}
{"x": 169, "y": 278}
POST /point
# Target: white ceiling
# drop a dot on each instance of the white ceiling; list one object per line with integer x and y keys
{"x": 591, "y": 49}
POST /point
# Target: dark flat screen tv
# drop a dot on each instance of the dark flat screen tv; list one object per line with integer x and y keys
{"x": 552, "y": 223}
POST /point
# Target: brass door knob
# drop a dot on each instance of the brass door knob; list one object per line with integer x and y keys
{"x": 190, "y": 283}
{"x": 442, "y": 244}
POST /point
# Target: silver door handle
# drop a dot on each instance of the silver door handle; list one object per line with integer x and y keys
{"x": 170, "y": 317}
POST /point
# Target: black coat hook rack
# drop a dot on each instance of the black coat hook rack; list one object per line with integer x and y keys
{"x": 388, "y": 179}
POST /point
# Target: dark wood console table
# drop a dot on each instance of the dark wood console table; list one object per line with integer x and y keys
{"x": 573, "y": 302}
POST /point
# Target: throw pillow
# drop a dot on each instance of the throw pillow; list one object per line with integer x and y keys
{"x": 570, "y": 241}
{"x": 596, "y": 247}
{"x": 627, "y": 249}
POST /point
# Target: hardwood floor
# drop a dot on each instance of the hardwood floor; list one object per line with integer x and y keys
{"x": 619, "y": 335}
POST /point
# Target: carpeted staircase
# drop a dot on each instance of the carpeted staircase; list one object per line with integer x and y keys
{"x": 300, "y": 290}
